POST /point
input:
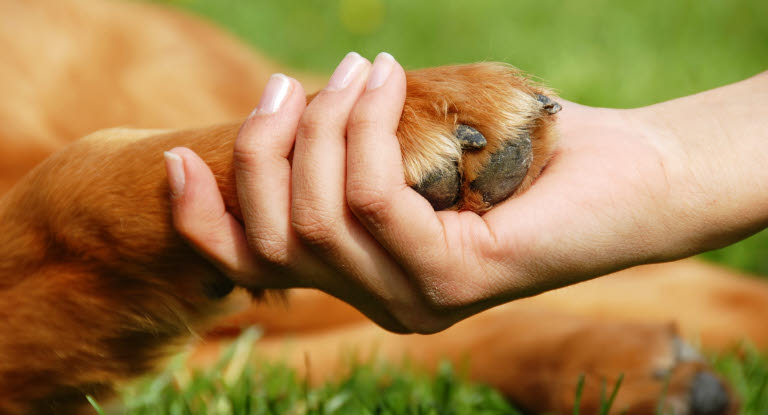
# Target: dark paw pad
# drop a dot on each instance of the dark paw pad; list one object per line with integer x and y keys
{"x": 505, "y": 170}
{"x": 441, "y": 188}
{"x": 708, "y": 396}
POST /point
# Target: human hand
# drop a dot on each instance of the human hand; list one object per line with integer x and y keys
{"x": 601, "y": 204}
{"x": 290, "y": 170}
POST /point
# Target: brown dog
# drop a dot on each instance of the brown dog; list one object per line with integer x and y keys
{"x": 95, "y": 284}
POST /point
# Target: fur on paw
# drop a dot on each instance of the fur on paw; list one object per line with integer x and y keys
{"x": 473, "y": 135}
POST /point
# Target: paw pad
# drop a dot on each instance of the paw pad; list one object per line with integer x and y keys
{"x": 441, "y": 188}
{"x": 505, "y": 170}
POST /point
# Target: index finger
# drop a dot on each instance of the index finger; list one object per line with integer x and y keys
{"x": 396, "y": 215}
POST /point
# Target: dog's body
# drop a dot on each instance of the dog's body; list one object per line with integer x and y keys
{"x": 94, "y": 282}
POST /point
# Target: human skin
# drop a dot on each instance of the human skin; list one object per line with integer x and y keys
{"x": 625, "y": 187}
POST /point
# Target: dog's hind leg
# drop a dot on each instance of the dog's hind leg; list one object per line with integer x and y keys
{"x": 533, "y": 355}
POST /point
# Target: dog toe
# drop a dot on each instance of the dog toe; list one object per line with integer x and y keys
{"x": 505, "y": 170}
{"x": 441, "y": 188}
{"x": 708, "y": 395}
{"x": 470, "y": 138}
{"x": 500, "y": 176}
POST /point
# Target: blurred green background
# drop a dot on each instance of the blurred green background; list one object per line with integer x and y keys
{"x": 595, "y": 52}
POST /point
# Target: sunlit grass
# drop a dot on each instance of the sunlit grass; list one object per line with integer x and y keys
{"x": 747, "y": 371}
{"x": 234, "y": 387}
{"x": 237, "y": 386}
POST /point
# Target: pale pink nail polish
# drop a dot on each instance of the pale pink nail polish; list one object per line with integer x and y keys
{"x": 382, "y": 67}
{"x": 277, "y": 89}
{"x": 348, "y": 69}
{"x": 174, "y": 166}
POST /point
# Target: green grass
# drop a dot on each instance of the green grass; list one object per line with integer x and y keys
{"x": 749, "y": 255}
{"x": 596, "y": 52}
{"x": 368, "y": 389}
{"x": 234, "y": 386}
{"x": 747, "y": 371}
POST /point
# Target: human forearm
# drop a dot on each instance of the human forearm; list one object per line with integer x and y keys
{"x": 715, "y": 147}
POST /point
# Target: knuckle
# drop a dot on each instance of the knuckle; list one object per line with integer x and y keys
{"x": 186, "y": 228}
{"x": 368, "y": 202}
{"x": 312, "y": 226}
{"x": 425, "y": 321}
{"x": 245, "y": 143}
{"x": 309, "y": 125}
{"x": 193, "y": 225}
{"x": 450, "y": 294}
{"x": 245, "y": 155}
{"x": 361, "y": 123}
{"x": 270, "y": 248}
{"x": 425, "y": 315}
{"x": 314, "y": 122}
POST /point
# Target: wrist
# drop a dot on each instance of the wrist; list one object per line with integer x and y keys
{"x": 714, "y": 148}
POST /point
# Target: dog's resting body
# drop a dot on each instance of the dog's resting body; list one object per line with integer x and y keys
{"x": 95, "y": 283}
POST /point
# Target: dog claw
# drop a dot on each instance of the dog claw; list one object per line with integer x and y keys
{"x": 470, "y": 138}
{"x": 548, "y": 104}
{"x": 684, "y": 352}
{"x": 505, "y": 170}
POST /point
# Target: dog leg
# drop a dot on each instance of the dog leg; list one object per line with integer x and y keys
{"x": 533, "y": 355}
{"x": 94, "y": 277}
{"x": 716, "y": 307}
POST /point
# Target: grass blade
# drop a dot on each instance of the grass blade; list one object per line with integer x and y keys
{"x": 579, "y": 392}
{"x": 95, "y": 405}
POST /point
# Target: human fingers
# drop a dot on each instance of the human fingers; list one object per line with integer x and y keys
{"x": 360, "y": 271}
{"x": 397, "y": 216}
{"x": 263, "y": 173}
{"x": 200, "y": 216}
{"x": 317, "y": 185}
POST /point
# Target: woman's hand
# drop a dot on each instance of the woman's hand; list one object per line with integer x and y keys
{"x": 339, "y": 217}
{"x": 291, "y": 168}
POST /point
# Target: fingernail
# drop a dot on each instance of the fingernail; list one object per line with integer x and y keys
{"x": 382, "y": 67}
{"x": 277, "y": 89}
{"x": 174, "y": 166}
{"x": 348, "y": 69}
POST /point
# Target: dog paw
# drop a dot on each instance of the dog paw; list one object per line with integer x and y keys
{"x": 661, "y": 374}
{"x": 568, "y": 363}
{"x": 473, "y": 135}
{"x": 690, "y": 386}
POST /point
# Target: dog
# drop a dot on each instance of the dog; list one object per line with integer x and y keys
{"x": 96, "y": 287}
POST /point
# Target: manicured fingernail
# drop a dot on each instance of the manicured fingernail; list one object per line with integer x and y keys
{"x": 277, "y": 89}
{"x": 174, "y": 166}
{"x": 382, "y": 67}
{"x": 348, "y": 69}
